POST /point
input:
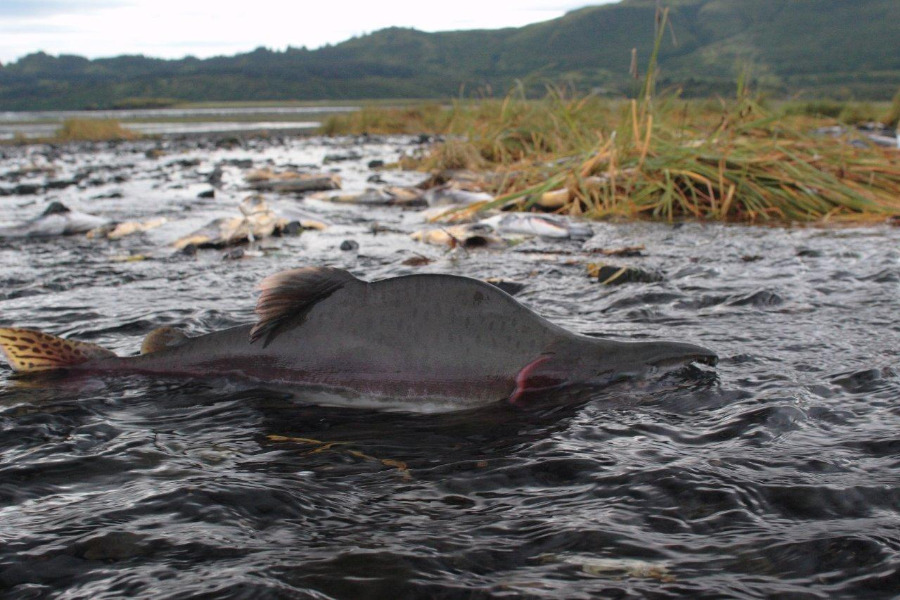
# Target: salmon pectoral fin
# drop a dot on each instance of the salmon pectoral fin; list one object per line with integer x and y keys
{"x": 293, "y": 293}
{"x": 28, "y": 351}
{"x": 531, "y": 379}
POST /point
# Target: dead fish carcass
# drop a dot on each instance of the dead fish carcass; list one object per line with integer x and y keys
{"x": 56, "y": 220}
{"x": 552, "y": 226}
{"x": 257, "y": 221}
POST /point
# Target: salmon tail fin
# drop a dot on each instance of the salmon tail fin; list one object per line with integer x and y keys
{"x": 29, "y": 351}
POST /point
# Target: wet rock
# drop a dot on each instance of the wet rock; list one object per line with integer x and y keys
{"x": 418, "y": 260}
{"x": 59, "y": 184}
{"x": 292, "y": 228}
{"x": 215, "y": 178}
{"x": 751, "y": 258}
{"x": 229, "y": 142}
{"x": 27, "y": 189}
{"x": 760, "y": 299}
{"x": 376, "y": 178}
{"x": 207, "y": 194}
{"x": 349, "y": 245}
{"x": 616, "y": 275}
{"x": 109, "y": 195}
{"x": 241, "y": 163}
{"x": 114, "y": 546}
{"x": 624, "y": 251}
{"x": 375, "y": 164}
{"x": 234, "y": 254}
{"x": 186, "y": 163}
{"x": 333, "y": 158}
{"x": 808, "y": 253}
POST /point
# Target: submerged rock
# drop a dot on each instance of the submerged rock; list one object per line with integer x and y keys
{"x": 615, "y": 275}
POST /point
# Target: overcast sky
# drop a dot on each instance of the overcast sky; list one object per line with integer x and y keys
{"x": 202, "y": 28}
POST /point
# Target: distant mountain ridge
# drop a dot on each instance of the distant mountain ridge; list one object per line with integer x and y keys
{"x": 819, "y": 48}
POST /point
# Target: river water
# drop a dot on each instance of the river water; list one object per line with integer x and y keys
{"x": 775, "y": 474}
{"x": 171, "y": 121}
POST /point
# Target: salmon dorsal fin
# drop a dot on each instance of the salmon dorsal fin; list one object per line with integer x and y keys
{"x": 293, "y": 293}
{"x": 29, "y": 351}
{"x": 162, "y": 338}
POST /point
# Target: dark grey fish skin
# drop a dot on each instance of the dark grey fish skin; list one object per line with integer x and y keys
{"x": 409, "y": 338}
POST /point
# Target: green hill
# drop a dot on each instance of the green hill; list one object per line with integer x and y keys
{"x": 817, "y": 48}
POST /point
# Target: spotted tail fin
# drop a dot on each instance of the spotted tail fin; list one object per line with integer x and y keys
{"x": 29, "y": 351}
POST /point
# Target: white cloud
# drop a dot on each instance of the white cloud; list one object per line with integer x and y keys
{"x": 175, "y": 28}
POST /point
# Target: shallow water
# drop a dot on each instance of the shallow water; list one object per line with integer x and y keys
{"x": 172, "y": 121}
{"x": 775, "y": 474}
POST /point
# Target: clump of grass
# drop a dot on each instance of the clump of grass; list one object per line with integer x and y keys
{"x": 664, "y": 158}
{"x": 893, "y": 116}
{"x": 422, "y": 118}
{"x": 93, "y": 130}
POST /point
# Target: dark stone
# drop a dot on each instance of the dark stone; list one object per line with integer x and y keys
{"x": 292, "y": 228}
{"x": 111, "y": 195}
{"x": 189, "y": 250}
{"x": 234, "y": 254}
{"x": 25, "y": 189}
{"x": 187, "y": 163}
{"x": 229, "y": 142}
{"x": 808, "y": 253}
{"x": 207, "y": 194}
{"x": 215, "y": 178}
{"x": 376, "y": 178}
{"x": 376, "y": 164}
{"x": 332, "y": 158}
{"x": 55, "y": 208}
{"x": 60, "y": 184}
{"x": 240, "y": 163}
{"x": 615, "y": 275}
{"x": 348, "y": 245}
